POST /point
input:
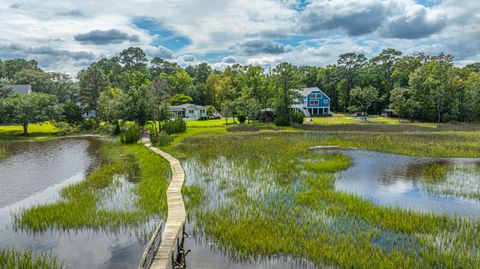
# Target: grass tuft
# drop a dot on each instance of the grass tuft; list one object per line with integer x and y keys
{"x": 79, "y": 206}
{"x": 11, "y": 258}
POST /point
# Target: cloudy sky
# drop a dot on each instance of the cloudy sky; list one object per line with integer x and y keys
{"x": 67, "y": 35}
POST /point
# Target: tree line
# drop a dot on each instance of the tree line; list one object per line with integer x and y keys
{"x": 131, "y": 86}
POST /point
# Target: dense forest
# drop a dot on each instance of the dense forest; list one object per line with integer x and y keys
{"x": 131, "y": 86}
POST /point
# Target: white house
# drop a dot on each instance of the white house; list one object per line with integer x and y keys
{"x": 312, "y": 102}
{"x": 23, "y": 89}
{"x": 189, "y": 111}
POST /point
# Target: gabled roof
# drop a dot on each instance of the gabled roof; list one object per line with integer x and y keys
{"x": 185, "y": 106}
{"x": 306, "y": 91}
{"x": 20, "y": 88}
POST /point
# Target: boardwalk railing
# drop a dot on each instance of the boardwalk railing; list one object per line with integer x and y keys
{"x": 172, "y": 236}
{"x": 152, "y": 248}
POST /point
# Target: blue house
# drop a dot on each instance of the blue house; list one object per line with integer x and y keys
{"x": 313, "y": 102}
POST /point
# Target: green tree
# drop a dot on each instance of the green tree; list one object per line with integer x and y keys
{"x": 210, "y": 88}
{"x": 363, "y": 98}
{"x": 349, "y": 65}
{"x": 180, "y": 82}
{"x": 31, "y": 108}
{"x": 72, "y": 113}
{"x": 228, "y": 110}
{"x": 210, "y": 111}
{"x": 5, "y": 92}
{"x": 141, "y": 104}
{"x": 112, "y": 105}
{"x": 401, "y": 101}
{"x": 472, "y": 97}
{"x": 38, "y": 79}
{"x": 433, "y": 88}
{"x": 133, "y": 59}
{"x": 92, "y": 82}
{"x": 286, "y": 79}
{"x": 11, "y": 67}
{"x": 180, "y": 99}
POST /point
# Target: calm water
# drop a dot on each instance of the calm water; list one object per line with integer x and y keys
{"x": 206, "y": 254}
{"x": 392, "y": 179}
{"x": 34, "y": 173}
{"x": 386, "y": 179}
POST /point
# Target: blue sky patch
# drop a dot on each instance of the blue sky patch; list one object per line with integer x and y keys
{"x": 428, "y": 3}
{"x": 301, "y": 4}
{"x": 163, "y": 35}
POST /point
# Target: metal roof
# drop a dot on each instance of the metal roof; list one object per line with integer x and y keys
{"x": 185, "y": 106}
{"x": 307, "y": 91}
{"x": 20, "y": 88}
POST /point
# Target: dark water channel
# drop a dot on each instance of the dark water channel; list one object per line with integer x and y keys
{"x": 34, "y": 173}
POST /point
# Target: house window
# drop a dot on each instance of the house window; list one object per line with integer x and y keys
{"x": 313, "y": 102}
{"x": 316, "y": 96}
{"x": 190, "y": 111}
{"x": 325, "y": 101}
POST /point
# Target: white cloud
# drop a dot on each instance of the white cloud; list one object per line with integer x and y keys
{"x": 332, "y": 27}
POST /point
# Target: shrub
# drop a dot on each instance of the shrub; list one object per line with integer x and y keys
{"x": 65, "y": 128}
{"x": 89, "y": 124}
{"x": 298, "y": 117}
{"x": 161, "y": 139}
{"x": 242, "y": 118}
{"x": 131, "y": 135}
{"x": 282, "y": 121}
{"x": 116, "y": 128}
{"x": 72, "y": 113}
{"x": 174, "y": 127}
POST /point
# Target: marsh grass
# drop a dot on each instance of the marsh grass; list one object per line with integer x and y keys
{"x": 79, "y": 205}
{"x": 11, "y": 258}
{"x": 267, "y": 195}
{"x": 389, "y": 128}
{"x": 459, "y": 181}
{"x": 435, "y": 172}
{"x": 328, "y": 163}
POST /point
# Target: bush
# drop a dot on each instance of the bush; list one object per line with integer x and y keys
{"x": 72, "y": 113}
{"x": 161, "y": 139}
{"x": 65, "y": 128}
{"x": 116, "y": 128}
{"x": 89, "y": 124}
{"x": 298, "y": 117}
{"x": 241, "y": 118}
{"x": 131, "y": 135}
{"x": 283, "y": 120}
{"x": 174, "y": 127}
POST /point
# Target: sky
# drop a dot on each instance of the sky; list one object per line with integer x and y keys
{"x": 68, "y": 35}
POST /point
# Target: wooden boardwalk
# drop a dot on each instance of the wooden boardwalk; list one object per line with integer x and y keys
{"x": 172, "y": 234}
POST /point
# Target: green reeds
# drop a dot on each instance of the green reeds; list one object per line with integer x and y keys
{"x": 11, "y": 259}
{"x": 79, "y": 206}
{"x": 268, "y": 195}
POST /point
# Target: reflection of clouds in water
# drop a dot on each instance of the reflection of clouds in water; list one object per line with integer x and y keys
{"x": 33, "y": 174}
{"x": 35, "y": 166}
{"x": 393, "y": 179}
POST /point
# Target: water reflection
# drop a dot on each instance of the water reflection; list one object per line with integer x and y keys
{"x": 34, "y": 173}
{"x": 411, "y": 182}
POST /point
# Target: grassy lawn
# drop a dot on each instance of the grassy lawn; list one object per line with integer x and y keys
{"x": 36, "y": 132}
